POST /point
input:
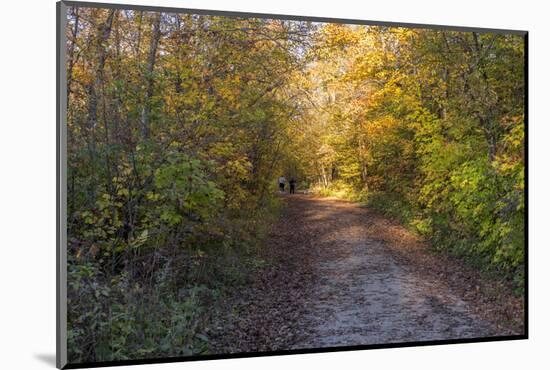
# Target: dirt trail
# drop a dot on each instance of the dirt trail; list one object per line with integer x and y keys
{"x": 364, "y": 296}
{"x": 336, "y": 281}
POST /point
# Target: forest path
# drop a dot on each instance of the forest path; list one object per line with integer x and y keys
{"x": 337, "y": 282}
{"x": 363, "y": 295}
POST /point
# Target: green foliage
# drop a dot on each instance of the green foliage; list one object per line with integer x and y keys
{"x": 128, "y": 320}
{"x": 183, "y": 188}
{"x": 427, "y": 127}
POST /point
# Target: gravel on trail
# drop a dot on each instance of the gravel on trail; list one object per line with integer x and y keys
{"x": 342, "y": 275}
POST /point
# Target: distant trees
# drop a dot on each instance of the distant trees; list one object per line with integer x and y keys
{"x": 428, "y": 126}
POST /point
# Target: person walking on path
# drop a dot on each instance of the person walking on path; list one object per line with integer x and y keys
{"x": 282, "y": 182}
{"x": 292, "y": 184}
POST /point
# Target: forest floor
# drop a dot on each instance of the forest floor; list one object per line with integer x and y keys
{"x": 339, "y": 274}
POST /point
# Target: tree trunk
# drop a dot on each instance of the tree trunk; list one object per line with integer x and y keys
{"x": 103, "y": 33}
{"x": 70, "y": 56}
{"x": 486, "y": 119}
{"x": 153, "y": 46}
